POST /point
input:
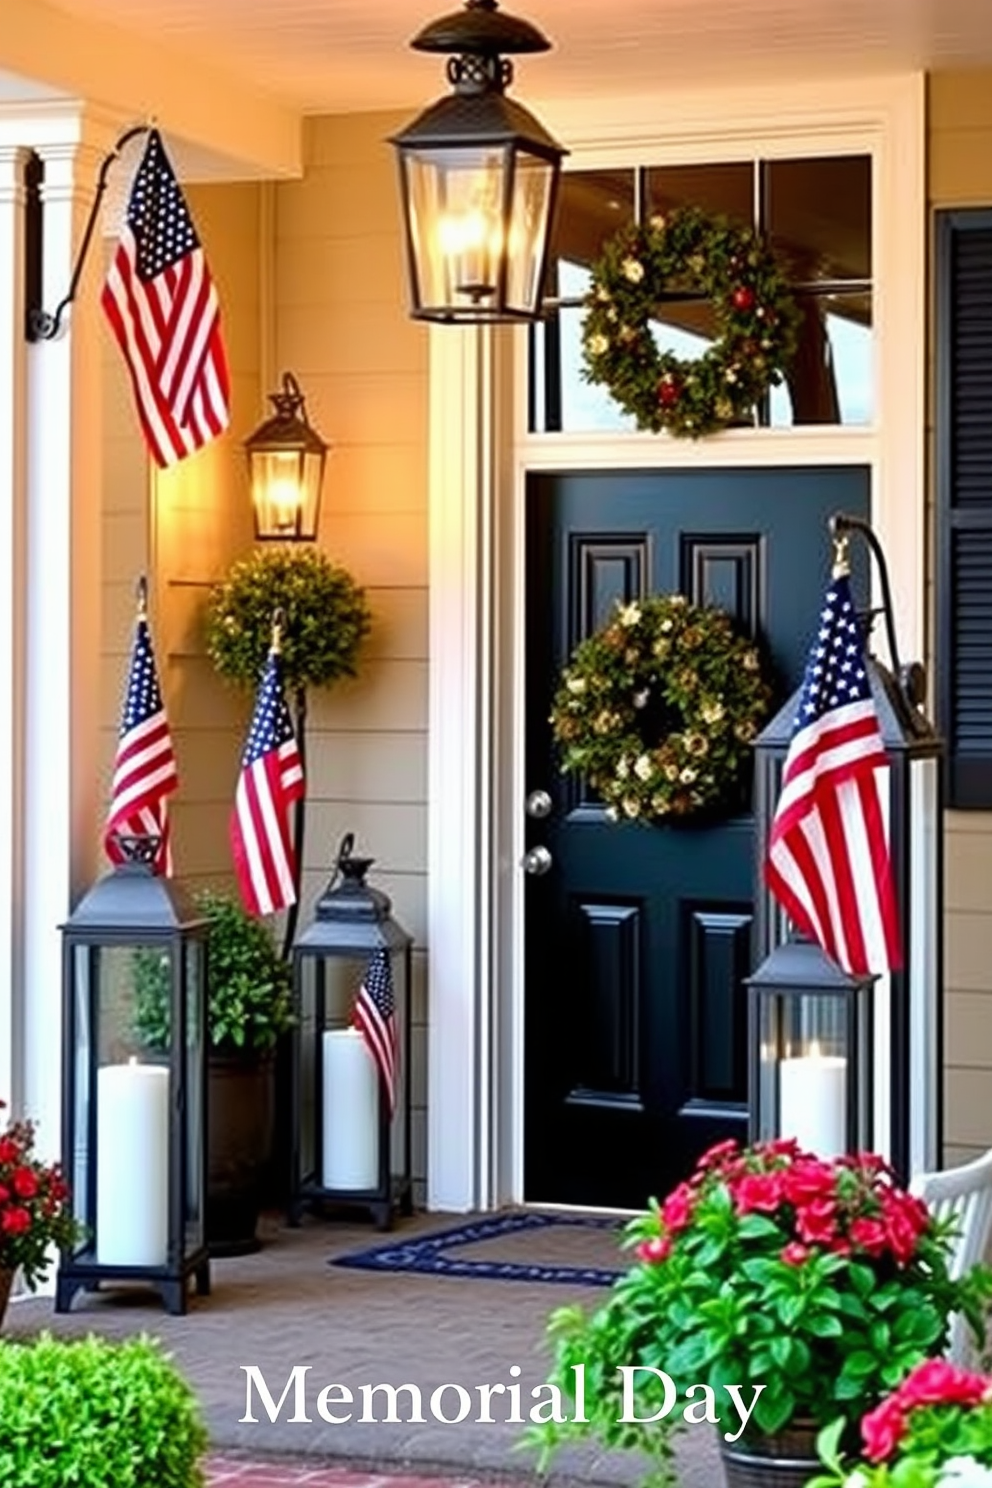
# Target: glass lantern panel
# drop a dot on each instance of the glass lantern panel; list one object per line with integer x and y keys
{"x": 813, "y": 1071}
{"x": 285, "y": 488}
{"x": 528, "y": 231}
{"x": 194, "y": 1058}
{"x": 131, "y": 1037}
{"x": 79, "y": 1174}
{"x": 456, "y": 206}
{"x": 309, "y": 977}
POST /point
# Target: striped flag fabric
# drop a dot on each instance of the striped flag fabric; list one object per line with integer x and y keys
{"x": 163, "y": 309}
{"x": 145, "y": 771}
{"x": 271, "y": 780}
{"x": 374, "y": 1016}
{"x": 828, "y": 860}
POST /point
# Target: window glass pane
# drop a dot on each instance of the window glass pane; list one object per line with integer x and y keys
{"x": 831, "y": 380}
{"x": 725, "y": 189}
{"x": 592, "y": 206}
{"x": 819, "y": 216}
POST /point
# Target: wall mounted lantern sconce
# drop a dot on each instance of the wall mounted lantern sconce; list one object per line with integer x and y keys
{"x": 478, "y": 177}
{"x": 286, "y": 459}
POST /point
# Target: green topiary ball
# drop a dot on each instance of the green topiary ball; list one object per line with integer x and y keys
{"x": 326, "y": 618}
{"x": 96, "y": 1413}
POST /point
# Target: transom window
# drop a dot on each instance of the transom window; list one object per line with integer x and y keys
{"x": 817, "y": 215}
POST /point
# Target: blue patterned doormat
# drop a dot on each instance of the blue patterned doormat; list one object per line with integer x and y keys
{"x": 430, "y": 1255}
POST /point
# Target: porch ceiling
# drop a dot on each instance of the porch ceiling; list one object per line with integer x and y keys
{"x": 328, "y": 56}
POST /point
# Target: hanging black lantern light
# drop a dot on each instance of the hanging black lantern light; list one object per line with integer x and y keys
{"x": 478, "y": 176}
{"x": 286, "y": 458}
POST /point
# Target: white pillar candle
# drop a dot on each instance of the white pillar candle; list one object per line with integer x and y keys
{"x": 132, "y": 1164}
{"x": 813, "y": 1102}
{"x": 351, "y": 1112}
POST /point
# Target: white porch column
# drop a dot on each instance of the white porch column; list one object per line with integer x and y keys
{"x": 465, "y": 454}
{"x": 13, "y": 159}
{"x": 62, "y": 609}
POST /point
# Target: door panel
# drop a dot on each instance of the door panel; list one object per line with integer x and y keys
{"x": 638, "y": 938}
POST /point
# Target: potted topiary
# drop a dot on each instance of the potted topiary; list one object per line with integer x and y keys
{"x": 774, "y": 1292}
{"x": 249, "y": 1005}
{"x": 91, "y": 1411}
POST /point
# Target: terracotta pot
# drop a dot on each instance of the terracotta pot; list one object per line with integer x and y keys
{"x": 239, "y": 1149}
{"x": 786, "y": 1460}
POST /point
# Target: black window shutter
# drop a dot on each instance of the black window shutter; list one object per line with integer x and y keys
{"x": 963, "y": 449}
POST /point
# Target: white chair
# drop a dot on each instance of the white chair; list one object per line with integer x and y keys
{"x": 966, "y": 1194}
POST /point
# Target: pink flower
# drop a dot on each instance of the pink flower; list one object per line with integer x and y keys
{"x": 882, "y": 1429}
{"x": 937, "y": 1382}
{"x": 869, "y": 1235}
{"x": 794, "y": 1254}
{"x": 714, "y": 1158}
{"x": 676, "y": 1211}
{"x": 658, "y": 1248}
{"x": 757, "y": 1193}
{"x": 807, "y": 1180}
{"x": 816, "y": 1222}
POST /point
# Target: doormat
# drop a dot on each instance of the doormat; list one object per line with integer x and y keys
{"x": 570, "y": 1249}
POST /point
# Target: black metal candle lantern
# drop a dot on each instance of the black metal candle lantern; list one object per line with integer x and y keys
{"x": 134, "y": 1083}
{"x": 909, "y": 1001}
{"x": 811, "y": 1051}
{"x": 348, "y": 1146}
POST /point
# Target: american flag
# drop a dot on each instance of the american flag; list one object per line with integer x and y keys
{"x": 828, "y": 853}
{"x": 162, "y": 305}
{"x": 145, "y": 767}
{"x": 271, "y": 780}
{"x": 374, "y": 1015}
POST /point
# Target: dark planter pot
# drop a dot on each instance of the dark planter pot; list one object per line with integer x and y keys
{"x": 240, "y": 1128}
{"x": 786, "y": 1460}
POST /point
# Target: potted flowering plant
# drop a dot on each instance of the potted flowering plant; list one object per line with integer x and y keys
{"x": 34, "y": 1210}
{"x": 933, "y": 1431}
{"x": 811, "y": 1286}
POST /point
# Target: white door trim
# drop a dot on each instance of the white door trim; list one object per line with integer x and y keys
{"x": 480, "y": 454}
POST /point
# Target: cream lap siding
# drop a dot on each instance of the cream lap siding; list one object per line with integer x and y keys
{"x": 343, "y": 330}
{"x": 960, "y": 175}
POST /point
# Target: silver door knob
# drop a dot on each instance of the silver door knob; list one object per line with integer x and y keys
{"x": 538, "y": 804}
{"x": 537, "y": 861}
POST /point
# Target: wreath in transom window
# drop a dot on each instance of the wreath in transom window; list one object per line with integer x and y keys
{"x": 687, "y": 252}
{"x": 659, "y": 708}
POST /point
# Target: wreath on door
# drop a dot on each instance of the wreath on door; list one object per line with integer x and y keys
{"x": 659, "y": 708}
{"x": 687, "y": 252}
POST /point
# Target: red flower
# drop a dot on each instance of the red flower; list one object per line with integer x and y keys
{"x": 715, "y": 1156}
{"x": 794, "y": 1254}
{"x": 24, "y": 1183}
{"x": 10, "y": 1150}
{"x": 883, "y": 1429}
{"x": 659, "y": 1248}
{"x": 757, "y": 1192}
{"x": 936, "y": 1382}
{"x": 676, "y": 1211}
{"x": 15, "y": 1220}
{"x": 816, "y": 1223}
{"x": 869, "y": 1235}
{"x": 808, "y": 1180}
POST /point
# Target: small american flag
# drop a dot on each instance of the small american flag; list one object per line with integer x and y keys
{"x": 145, "y": 766}
{"x": 162, "y": 305}
{"x": 374, "y": 1015}
{"x": 828, "y": 855}
{"x": 271, "y": 780}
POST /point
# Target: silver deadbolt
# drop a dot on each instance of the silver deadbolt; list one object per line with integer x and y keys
{"x": 538, "y": 804}
{"x": 537, "y": 861}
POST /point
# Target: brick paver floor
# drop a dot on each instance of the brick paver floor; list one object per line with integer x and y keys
{"x": 229, "y": 1472}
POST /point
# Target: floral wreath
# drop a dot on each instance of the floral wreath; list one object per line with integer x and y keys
{"x": 659, "y": 708}
{"x": 688, "y": 252}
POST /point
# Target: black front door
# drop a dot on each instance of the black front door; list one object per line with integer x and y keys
{"x": 638, "y": 937}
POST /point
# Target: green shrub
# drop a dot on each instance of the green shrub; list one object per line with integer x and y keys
{"x": 249, "y": 1001}
{"x": 89, "y": 1413}
{"x": 326, "y": 617}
